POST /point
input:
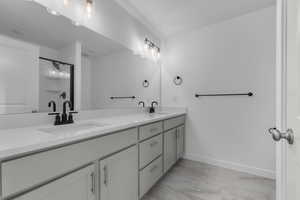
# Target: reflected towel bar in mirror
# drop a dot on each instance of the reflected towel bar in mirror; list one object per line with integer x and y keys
{"x": 132, "y": 97}
{"x": 250, "y": 94}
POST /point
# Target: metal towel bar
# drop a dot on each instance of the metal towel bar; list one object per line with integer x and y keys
{"x": 250, "y": 94}
{"x": 131, "y": 97}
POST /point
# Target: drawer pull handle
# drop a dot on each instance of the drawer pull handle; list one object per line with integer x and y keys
{"x": 105, "y": 170}
{"x": 153, "y": 143}
{"x": 93, "y": 182}
{"x": 153, "y": 168}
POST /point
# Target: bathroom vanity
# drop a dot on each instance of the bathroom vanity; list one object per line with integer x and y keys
{"x": 81, "y": 69}
{"x": 118, "y": 161}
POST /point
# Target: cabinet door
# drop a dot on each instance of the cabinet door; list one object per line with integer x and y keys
{"x": 119, "y": 176}
{"x": 180, "y": 142}
{"x": 79, "y": 185}
{"x": 170, "y": 150}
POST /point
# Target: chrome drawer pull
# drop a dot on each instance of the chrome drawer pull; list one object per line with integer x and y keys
{"x": 93, "y": 182}
{"x": 105, "y": 175}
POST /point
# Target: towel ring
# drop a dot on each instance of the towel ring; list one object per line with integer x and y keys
{"x": 178, "y": 80}
{"x": 146, "y": 83}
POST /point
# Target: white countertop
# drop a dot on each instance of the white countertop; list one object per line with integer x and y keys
{"x": 22, "y": 141}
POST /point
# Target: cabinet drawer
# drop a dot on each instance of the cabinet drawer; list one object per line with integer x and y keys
{"x": 150, "y": 130}
{"x": 150, "y": 175}
{"x": 23, "y": 173}
{"x": 150, "y": 149}
{"x": 174, "y": 122}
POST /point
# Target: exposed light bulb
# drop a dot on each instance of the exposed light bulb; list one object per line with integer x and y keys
{"x": 66, "y": 2}
{"x": 89, "y": 4}
{"x": 158, "y": 55}
{"x": 146, "y": 46}
{"x": 153, "y": 53}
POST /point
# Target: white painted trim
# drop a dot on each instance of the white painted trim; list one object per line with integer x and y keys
{"x": 233, "y": 166}
{"x": 281, "y": 73}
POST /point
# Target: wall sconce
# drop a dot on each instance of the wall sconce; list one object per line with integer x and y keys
{"x": 152, "y": 49}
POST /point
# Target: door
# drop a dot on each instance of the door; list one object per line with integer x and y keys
{"x": 79, "y": 185}
{"x": 119, "y": 176}
{"x": 19, "y": 74}
{"x": 288, "y": 101}
{"x": 180, "y": 142}
{"x": 170, "y": 149}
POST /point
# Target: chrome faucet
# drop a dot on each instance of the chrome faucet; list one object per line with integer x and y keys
{"x": 53, "y": 104}
{"x": 142, "y": 102}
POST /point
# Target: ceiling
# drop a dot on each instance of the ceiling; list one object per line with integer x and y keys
{"x": 31, "y": 22}
{"x": 169, "y": 17}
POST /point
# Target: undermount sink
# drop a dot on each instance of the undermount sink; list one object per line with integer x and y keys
{"x": 162, "y": 113}
{"x": 72, "y": 128}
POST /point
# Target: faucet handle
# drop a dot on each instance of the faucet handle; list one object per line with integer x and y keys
{"x": 53, "y": 113}
{"x": 70, "y": 118}
{"x": 57, "y": 118}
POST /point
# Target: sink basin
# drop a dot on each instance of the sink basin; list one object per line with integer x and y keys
{"x": 162, "y": 113}
{"x": 72, "y": 128}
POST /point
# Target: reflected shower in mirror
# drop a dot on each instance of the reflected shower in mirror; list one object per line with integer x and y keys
{"x": 56, "y": 83}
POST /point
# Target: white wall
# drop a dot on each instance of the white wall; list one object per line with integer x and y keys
{"x": 72, "y": 54}
{"x": 86, "y": 79}
{"x": 237, "y": 55}
{"x": 122, "y": 74}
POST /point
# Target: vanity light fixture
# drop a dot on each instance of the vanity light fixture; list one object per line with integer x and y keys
{"x": 152, "y": 49}
{"x": 89, "y": 4}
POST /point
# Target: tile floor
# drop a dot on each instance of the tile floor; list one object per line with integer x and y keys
{"x": 190, "y": 180}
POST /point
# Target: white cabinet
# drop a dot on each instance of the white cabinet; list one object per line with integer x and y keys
{"x": 79, "y": 185}
{"x": 150, "y": 150}
{"x": 170, "y": 149}
{"x": 180, "y": 141}
{"x": 128, "y": 167}
{"x": 150, "y": 175}
{"x": 20, "y": 174}
{"x": 119, "y": 176}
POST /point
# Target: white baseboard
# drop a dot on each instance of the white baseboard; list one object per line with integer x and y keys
{"x": 234, "y": 166}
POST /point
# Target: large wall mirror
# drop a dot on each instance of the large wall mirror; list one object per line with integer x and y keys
{"x": 46, "y": 57}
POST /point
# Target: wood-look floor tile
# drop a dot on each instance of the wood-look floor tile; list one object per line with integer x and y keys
{"x": 190, "y": 180}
